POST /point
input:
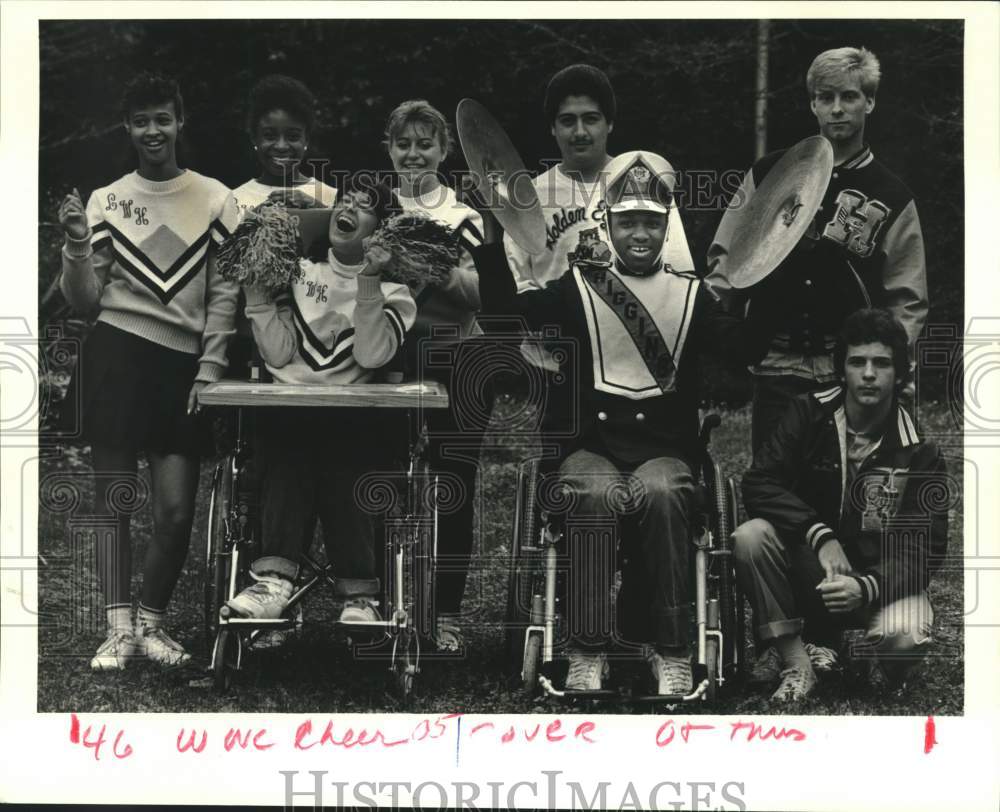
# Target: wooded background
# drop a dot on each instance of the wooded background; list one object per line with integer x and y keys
{"x": 685, "y": 89}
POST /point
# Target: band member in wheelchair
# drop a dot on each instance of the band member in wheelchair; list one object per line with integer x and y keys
{"x": 841, "y": 535}
{"x": 864, "y": 248}
{"x": 339, "y": 323}
{"x": 639, "y": 324}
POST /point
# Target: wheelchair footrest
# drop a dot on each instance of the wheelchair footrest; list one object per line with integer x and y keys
{"x": 671, "y": 699}
{"x": 257, "y": 622}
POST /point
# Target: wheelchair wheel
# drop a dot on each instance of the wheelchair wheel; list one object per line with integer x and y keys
{"x": 531, "y": 660}
{"x": 722, "y": 528}
{"x": 226, "y": 657}
{"x": 522, "y": 565}
{"x": 216, "y": 574}
{"x": 740, "y": 635}
{"x": 712, "y": 668}
{"x": 406, "y": 653}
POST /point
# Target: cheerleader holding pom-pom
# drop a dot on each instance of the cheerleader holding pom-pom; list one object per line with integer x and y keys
{"x": 332, "y": 322}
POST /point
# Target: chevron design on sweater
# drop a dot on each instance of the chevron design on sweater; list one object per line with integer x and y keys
{"x": 312, "y": 349}
{"x": 164, "y": 283}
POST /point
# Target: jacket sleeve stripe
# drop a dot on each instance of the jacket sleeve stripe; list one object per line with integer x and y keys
{"x": 817, "y": 535}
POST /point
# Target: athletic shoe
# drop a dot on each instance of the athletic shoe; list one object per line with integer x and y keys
{"x": 587, "y": 670}
{"x": 114, "y": 653}
{"x": 767, "y": 668}
{"x": 266, "y": 599}
{"x": 360, "y": 610}
{"x": 161, "y": 648}
{"x": 449, "y": 636}
{"x": 797, "y": 683}
{"x": 824, "y": 660}
{"x": 672, "y": 675}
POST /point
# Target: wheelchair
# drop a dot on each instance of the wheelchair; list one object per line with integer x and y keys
{"x": 537, "y": 575}
{"x": 407, "y": 501}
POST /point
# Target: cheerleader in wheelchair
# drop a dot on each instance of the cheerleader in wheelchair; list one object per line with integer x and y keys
{"x": 337, "y": 323}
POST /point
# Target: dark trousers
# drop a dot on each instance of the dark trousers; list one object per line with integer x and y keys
{"x": 311, "y": 462}
{"x": 658, "y": 496}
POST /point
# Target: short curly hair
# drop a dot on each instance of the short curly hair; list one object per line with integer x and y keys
{"x": 580, "y": 80}
{"x": 867, "y": 326}
{"x": 419, "y": 112}
{"x": 147, "y": 89}
{"x": 279, "y": 92}
{"x": 858, "y": 62}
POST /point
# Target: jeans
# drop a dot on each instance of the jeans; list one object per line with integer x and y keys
{"x": 781, "y": 583}
{"x": 660, "y": 496}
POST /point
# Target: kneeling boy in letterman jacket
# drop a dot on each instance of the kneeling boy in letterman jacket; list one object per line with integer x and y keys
{"x": 849, "y": 518}
{"x": 638, "y": 325}
{"x": 338, "y": 324}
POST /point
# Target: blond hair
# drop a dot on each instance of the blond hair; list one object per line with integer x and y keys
{"x": 419, "y": 112}
{"x": 839, "y": 62}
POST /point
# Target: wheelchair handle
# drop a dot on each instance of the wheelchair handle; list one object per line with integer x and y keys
{"x": 711, "y": 421}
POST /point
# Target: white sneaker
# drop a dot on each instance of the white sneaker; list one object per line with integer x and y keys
{"x": 161, "y": 648}
{"x": 671, "y": 674}
{"x": 266, "y": 599}
{"x": 115, "y": 652}
{"x": 823, "y": 659}
{"x": 360, "y": 610}
{"x": 587, "y": 670}
{"x": 797, "y": 683}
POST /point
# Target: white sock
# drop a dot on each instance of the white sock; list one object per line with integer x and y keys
{"x": 119, "y": 617}
{"x": 147, "y": 618}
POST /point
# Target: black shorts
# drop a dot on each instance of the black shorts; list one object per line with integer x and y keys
{"x": 132, "y": 394}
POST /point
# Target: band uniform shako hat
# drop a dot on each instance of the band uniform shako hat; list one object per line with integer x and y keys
{"x": 639, "y": 181}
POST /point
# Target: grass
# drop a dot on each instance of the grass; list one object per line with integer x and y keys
{"x": 317, "y": 675}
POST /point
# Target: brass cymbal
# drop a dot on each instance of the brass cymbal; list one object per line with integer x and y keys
{"x": 780, "y": 211}
{"x": 500, "y": 175}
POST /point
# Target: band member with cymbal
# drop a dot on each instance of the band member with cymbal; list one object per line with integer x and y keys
{"x": 863, "y": 249}
{"x": 639, "y": 324}
{"x": 580, "y": 109}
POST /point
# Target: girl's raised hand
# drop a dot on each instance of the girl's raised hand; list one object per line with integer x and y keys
{"x": 73, "y": 216}
{"x": 377, "y": 258}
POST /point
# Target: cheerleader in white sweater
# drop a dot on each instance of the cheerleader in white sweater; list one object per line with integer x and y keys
{"x": 141, "y": 258}
{"x": 338, "y": 323}
{"x": 418, "y": 140}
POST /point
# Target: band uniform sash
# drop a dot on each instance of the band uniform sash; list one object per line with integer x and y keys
{"x": 637, "y": 327}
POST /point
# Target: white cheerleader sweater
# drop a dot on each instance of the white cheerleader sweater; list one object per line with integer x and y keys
{"x": 334, "y": 326}
{"x": 148, "y": 264}
{"x": 253, "y": 193}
